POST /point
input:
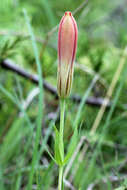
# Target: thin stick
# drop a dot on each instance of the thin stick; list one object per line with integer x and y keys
{"x": 105, "y": 103}
{"x": 74, "y": 156}
{"x": 80, "y": 7}
{"x": 11, "y": 66}
{"x": 109, "y": 92}
{"x": 77, "y": 119}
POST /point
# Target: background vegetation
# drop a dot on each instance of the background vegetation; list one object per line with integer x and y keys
{"x": 100, "y": 157}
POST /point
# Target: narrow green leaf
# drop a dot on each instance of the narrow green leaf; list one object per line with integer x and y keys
{"x": 40, "y": 102}
{"x": 72, "y": 146}
{"x": 58, "y": 152}
{"x": 51, "y": 155}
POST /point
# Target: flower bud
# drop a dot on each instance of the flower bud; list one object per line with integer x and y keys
{"x": 67, "y": 43}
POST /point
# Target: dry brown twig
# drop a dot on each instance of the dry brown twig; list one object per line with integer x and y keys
{"x": 109, "y": 92}
{"x": 11, "y": 66}
{"x": 83, "y": 138}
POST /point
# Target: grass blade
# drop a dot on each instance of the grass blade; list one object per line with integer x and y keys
{"x": 40, "y": 102}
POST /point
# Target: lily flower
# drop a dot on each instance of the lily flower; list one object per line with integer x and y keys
{"x": 67, "y": 44}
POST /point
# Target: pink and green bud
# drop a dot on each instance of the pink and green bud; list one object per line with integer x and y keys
{"x": 67, "y": 43}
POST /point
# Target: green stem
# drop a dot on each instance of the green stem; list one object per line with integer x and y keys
{"x": 62, "y": 111}
{"x": 60, "y": 177}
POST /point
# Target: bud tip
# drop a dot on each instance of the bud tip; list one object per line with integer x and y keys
{"x": 68, "y": 13}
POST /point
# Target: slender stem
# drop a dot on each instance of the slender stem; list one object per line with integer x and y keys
{"x": 62, "y": 111}
{"x": 60, "y": 178}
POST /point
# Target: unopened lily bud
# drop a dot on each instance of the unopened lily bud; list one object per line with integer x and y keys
{"x": 67, "y": 43}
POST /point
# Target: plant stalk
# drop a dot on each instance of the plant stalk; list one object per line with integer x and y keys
{"x": 60, "y": 178}
{"x": 62, "y": 112}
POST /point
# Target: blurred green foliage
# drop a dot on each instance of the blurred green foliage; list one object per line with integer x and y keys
{"x": 102, "y": 38}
